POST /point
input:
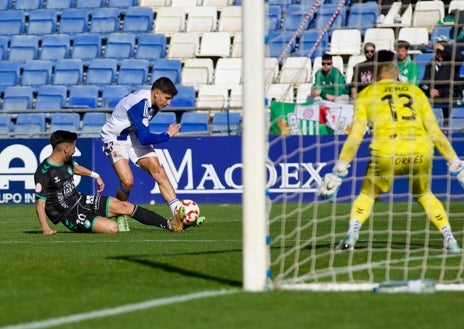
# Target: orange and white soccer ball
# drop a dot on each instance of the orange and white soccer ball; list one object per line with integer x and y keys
{"x": 192, "y": 211}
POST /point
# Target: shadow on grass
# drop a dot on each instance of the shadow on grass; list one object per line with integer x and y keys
{"x": 174, "y": 269}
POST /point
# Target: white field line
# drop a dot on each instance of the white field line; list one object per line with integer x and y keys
{"x": 80, "y": 317}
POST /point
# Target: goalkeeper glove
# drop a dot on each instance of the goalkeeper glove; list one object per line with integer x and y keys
{"x": 331, "y": 183}
{"x": 456, "y": 167}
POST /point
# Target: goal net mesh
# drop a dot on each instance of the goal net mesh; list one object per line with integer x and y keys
{"x": 398, "y": 242}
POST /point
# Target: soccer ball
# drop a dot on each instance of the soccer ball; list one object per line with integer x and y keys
{"x": 192, "y": 211}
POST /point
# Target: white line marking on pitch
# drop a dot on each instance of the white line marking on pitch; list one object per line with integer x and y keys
{"x": 119, "y": 310}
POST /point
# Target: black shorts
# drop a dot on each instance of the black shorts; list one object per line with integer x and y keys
{"x": 81, "y": 218}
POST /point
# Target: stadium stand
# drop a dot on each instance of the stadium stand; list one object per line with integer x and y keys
{"x": 122, "y": 3}
{"x": 302, "y": 92}
{"x": 362, "y": 16}
{"x": 226, "y": 123}
{"x": 183, "y": 46}
{"x": 456, "y": 119}
{"x": 42, "y": 22}
{"x": 90, "y": 4}
{"x": 18, "y": 98}
{"x": 105, "y": 20}
{"x": 280, "y": 44}
{"x": 170, "y": 68}
{"x": 170, "y": 20}
{"x": 30, "y": 125}
{"x": 154, "y": 4}
{"x": 383, "y": 38}
{"x": 59, "y": 4}
{"x": 3, "y": 47}
{"x": 64, "y": 121}
{"x": 111, "y": 95}
{"x": 68, "y": 72}
{"x": 215, "y": 44}
{"x": 6, "y": 4}
{"x": 185, "y": 98}
{"x": 274, "y": 18}
{"x": 228, "y": 72}
{"x": 81, "y": 96}
{"x": 51, "y": 97}
{"x": 346, "y": 42}
{"x": 197, "y": 72}
{"x": 195, "y": 122}
{"x": 296, "y": 70}
{"x": 295, "y": 19}
{"x": 281, "y": 92}
{"x": 24, "y": 48}
{"x": 13, "y": 22}
{"x": 37, "y": 73}
{"x": 161, "y": 122}
{"x": 230, "y": 20}
{"x": 74, "y": 21}
{"x": 92, "y": 123}
{"x": 138, "y": 20}
{"x": 6, "y": 125}
{"x": 55, "y": 47}
{"x": 133, "y": 72}
{"x": 9, "y": 74}
{"x": 151, "y": 46}
{"x": 102, "y": 71}
{"x": 28, "y": 4}
{"x": 86, "y": 46}
{"x": 236, "y": 97}
{"x": 212, "y": 96}
{"x": 271, "y": 69}
{"x": 201, "y": 19}
{"x": 307, "y": 42}
{"x": 120, "y": 45}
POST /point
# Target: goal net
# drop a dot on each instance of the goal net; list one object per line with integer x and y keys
{"x": 398, "y": 242}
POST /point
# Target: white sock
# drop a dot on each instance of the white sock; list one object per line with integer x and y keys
{"x": 354, "y": 226}
{"x": 447, "y": 234}
{"x": 172, "y": 205}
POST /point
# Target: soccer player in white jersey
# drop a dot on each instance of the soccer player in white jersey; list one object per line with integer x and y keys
{"x": 126, "y": 136}
{"x": 404, "y": 134}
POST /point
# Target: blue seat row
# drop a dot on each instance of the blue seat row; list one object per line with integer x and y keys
{"x": 72, "y": 21}
{"x": 64, "y": 4}
{"x": 85, "y": 46}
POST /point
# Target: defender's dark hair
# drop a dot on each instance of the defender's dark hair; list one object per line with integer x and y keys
{"x": 62, "y": 136}
{"x": 165, "y": 85}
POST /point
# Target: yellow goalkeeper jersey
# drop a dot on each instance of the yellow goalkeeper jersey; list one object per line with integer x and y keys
{"x": 401, "y": 120}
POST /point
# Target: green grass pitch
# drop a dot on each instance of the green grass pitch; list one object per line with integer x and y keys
{"x": 150, "y": 278}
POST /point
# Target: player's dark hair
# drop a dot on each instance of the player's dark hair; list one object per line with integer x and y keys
{"x": 165, "y": 85}
{"x": 384, "y": 59}
{"x": 62, "y": 136}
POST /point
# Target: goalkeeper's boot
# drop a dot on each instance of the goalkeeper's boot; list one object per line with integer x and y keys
{"x": 123, "y": 223}
{"x": 176, "y": 223}
{"x": 198, "y": 222}
{"x": 348, "y": 242}
{"x": 452, "y": 246}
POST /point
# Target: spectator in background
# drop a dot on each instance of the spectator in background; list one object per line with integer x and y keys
{"x": 441, "y": 80}
{"x": 363, "y": 73}
{"x": 409, "y": 71}
{"x": 329, "y": 83}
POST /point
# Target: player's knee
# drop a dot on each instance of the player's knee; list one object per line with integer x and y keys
{"x": 113, "y": 228}
{"x": 126, "y": 185}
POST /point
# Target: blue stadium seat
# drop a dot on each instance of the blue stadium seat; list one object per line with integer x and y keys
{"x": 28, "y": 4}
{"x": 68, "y": 72}
{"x": 51, "y": 97}
{"x": 228, "y": 123}
{"x": 74, "y": 21}
{"x": 6, "y": 4}
{"x": 161, "y": 122}
{"x": 18, "y": 98}
{"x": 274, "y": 18}
{"x": 64, "y": 121}
{"x": 6, "y": 125}
{"x": 278, "y": 42}
{"x": 120, "y": 45}
{"x": 59, "y": 4}
{"x": 9, "y": 74}
{"x": 12, "y": 22}
{"x": 102, "y": 71}
{"x": 92, "y": 123}
{"x": 37, "y": 73}
{"x": 281, "y": 3}
{"x": 363, "y": 16}
{"x": 30, "y": 124}
{"x": 133, "y": 72}
{"x": 55, "y": 47}
{"x": 24, "y": 48}
{"x": 324, "y": 15}
{"x": 151, "y": 46}
{"x": 194, "y": 122}
{"x": 90, "y": 4}
{"x": 105, "y": 20}
{"x": 138, "y": 20}
{"x": 122, "y": 3}
{"x": 86, "y": 46}
{"x": 170, "y": 68}
{"x": 308, "y": 39}
{"x": 3, "y": 47}
{"x": 185, "y": 97}
{"x": 83, "y": 96}
{"x": 111, "y": 95}
{"x": 421, "y": 61}
{"x": 456, "y": 119}
{"x": 294, "y": 16}
{"x": 42, "y": 22}
{"x": 438, "y": 111}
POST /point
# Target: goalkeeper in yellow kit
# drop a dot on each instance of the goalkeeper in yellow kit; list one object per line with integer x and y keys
{"x": 405, "y": 132}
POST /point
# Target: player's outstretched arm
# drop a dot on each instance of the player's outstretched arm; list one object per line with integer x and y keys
{"x": 332, "y": 181}
{"x": 82, "y": 171}
{"x": 456, "y": 168}
{"x": 42, "y": 217}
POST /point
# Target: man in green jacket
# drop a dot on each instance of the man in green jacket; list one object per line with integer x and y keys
{"x": 329, "y": 82}
{"x": 409, "y": 71}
